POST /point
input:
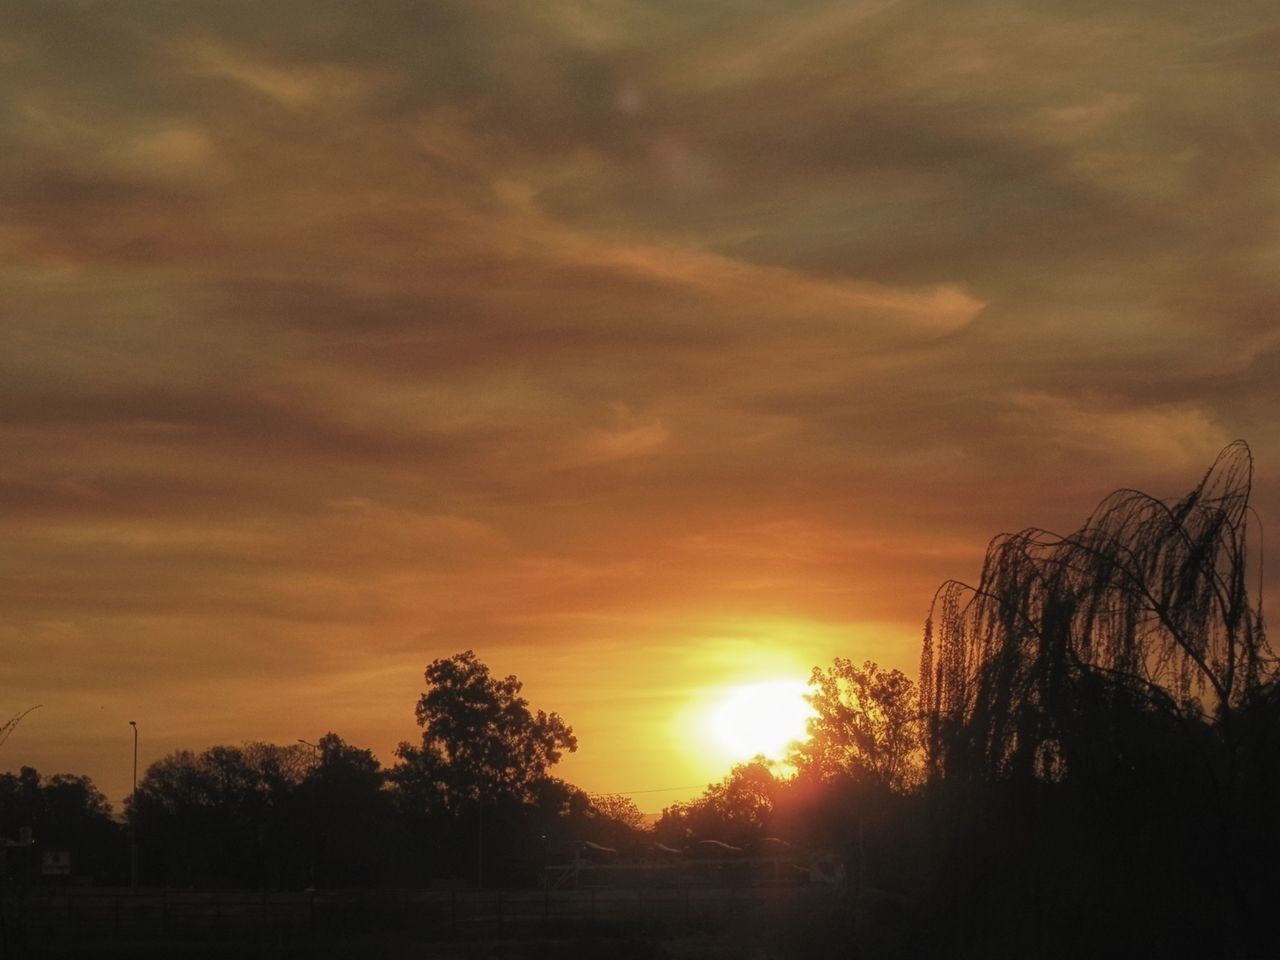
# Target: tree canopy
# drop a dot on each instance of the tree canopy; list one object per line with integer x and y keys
{"x": 224, "y": 814}
{"x": 1101, "y": 713}
{"x": 480, "y": 740}
{"x": 736, "y": 810}
{"x": 1147, "y": 600}
{"x": 865, "y": 726}
{"x": 62, "y": 811}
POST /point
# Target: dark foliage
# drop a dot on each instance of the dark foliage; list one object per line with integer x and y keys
{"x": 477, "y": 787}
{"x": 346, "y": 817}
{"x": 63, "y": 812}
{"x": 480, "y": 740}
{"x": 328, "y": 815}
{"x": 866, "y": 727}
{"x": 1145, "y": 608}
{"x": 738, "y": 810}
{"x": 1101, "y": 721}
{"x": 222, "y": 817}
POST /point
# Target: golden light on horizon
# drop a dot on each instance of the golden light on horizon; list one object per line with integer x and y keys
{"x": 760, "y": 719}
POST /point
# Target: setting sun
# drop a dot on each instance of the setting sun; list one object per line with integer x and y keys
{"x": 761, "y": 718}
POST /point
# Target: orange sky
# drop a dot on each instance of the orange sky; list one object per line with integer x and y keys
{"x": 643, "y": 347}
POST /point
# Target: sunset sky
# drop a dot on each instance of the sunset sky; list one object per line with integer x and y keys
{"x": 646, "y": 347}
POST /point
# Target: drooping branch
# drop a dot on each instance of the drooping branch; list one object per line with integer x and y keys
{"x": 12, "y": 723}
{"x": 1149, "y": 596}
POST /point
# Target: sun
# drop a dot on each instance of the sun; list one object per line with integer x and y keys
{"x": 761, "y": 718}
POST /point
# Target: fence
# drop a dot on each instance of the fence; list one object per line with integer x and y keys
{"x": 45, "y": 915}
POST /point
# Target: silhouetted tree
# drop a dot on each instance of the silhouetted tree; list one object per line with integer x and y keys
{"x": 11, "y": 724}
{"x": 736, "y": 810}
{"x": 866, "y": 726}
{"x": 223, "y": 816}
{"x": 479, "y": 737}
{"x": 1149, "y": 595}
{"x": 268, "y": 815}
{"x": 351, "y": 834}
{"x": 64, "y": 812}
{"x": 483, "y": 761}
{"x": 619, "y": 808}
{"x": 1100, "y": 720}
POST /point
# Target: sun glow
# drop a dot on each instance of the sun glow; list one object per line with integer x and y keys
{"x": 761, "y": 718}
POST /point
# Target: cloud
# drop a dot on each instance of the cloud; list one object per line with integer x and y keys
{"x": 294, "y": 86}
{"x": 584, "y": 331}
{"x": 1178, "y": 436}
{"x": 628, "y": 437}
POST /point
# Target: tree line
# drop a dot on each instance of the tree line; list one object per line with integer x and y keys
{"x": 1089, "y": 763}
{"x": 473, "y": 799}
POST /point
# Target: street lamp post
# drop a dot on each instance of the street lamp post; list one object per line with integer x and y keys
{"x": 133, "y": 814}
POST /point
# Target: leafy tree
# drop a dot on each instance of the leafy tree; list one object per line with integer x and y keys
{"x": 480, "y": 740}
{"x": 347, "y": 816}
{"x": 63, "y": 811}
{"x": 268, "y": 815}
{"x": 1101, "y": 717}
{"x": 476, "y": 789}
{"x": 1147, "y": 604}
{"x": 619, "y": 808}
{"x": 853, "y": 790}
{"x": 736, "y": 810}
{"x": 866, "y": 726}
{"x": 226, "y": 815}
{"x": 345, "y": 767}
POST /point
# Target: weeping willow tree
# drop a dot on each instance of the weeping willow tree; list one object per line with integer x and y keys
{"x": 1145, "y": 608}
{"x": 11, "y": 724}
